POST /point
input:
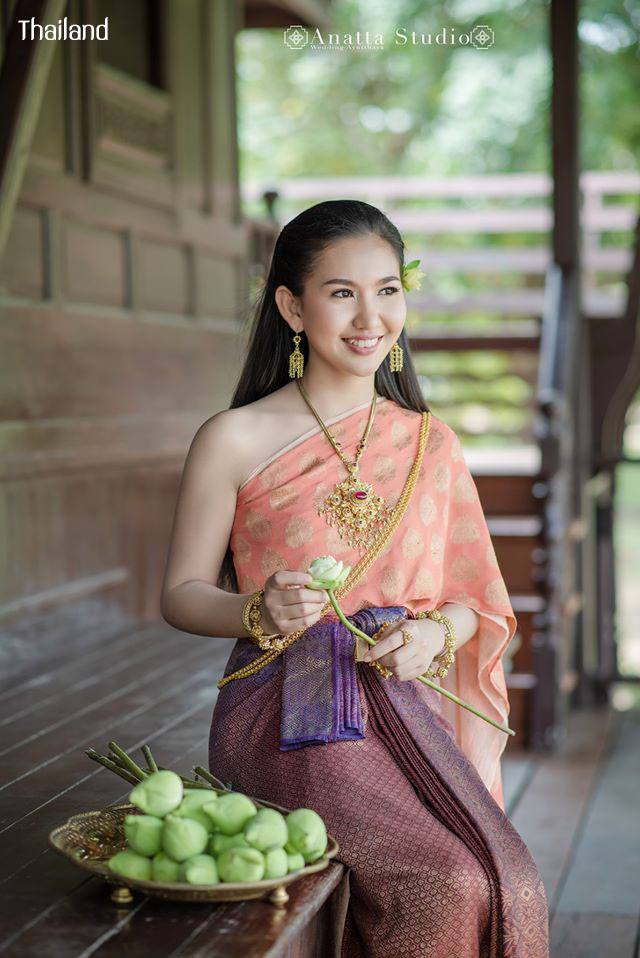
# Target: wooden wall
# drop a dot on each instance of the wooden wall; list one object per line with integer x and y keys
{"x": 121, "y": 293}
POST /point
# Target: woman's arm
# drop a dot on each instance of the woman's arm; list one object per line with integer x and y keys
{"x": 202, "y": 524}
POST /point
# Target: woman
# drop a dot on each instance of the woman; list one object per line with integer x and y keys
{"x": 326, "y": 449}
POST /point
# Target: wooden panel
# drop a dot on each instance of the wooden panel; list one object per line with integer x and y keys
{"x": 94, "y": 265}
{"x": 217, "y": 286}
{"x": 49, "y": 140}
{"x": 163, "y": 277}
{"x": 83, "y": 364}
{"x": 22, "y": 266}
{"x": 60, "y": 531}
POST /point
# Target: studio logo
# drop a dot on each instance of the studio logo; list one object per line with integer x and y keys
{"x": 482, "y": 37}
{"x": 296, "y": 37}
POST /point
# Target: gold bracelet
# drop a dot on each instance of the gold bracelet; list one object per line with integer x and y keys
{"x": 251, "y": 615}
{"x": 446, "y": 657}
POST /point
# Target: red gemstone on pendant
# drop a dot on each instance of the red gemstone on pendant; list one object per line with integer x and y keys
{"x": 360, "y": 494}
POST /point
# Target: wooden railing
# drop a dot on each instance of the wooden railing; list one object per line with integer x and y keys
{"x": 484, "y": 242}
{"x": 487, "y": 235}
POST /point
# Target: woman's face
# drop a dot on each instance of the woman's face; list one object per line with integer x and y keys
{"x": 353, "y": 306}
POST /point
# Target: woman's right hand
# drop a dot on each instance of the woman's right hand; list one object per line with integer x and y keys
{"x": 287, "y": 605}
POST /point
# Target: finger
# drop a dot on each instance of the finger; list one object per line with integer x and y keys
{"x": 411, "y": 668}
{"x": 399, "y": 658}
{"x": 292, "y": 625}
{"x": 387, "y": 643}
{"x": 295, "y": 596}
{"x": 285, "y": 578}
{"x": 298, "y": 611}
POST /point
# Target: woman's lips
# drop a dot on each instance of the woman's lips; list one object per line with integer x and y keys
{"x": 363, "y": 344}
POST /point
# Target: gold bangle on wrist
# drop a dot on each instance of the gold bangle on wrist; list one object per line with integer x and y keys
{"x": 447, "y": 656}
{"x": 251, "y": 616}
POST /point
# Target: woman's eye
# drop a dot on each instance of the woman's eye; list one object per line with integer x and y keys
{"x": 345, "y": 290}
{"x": 388, "y": 289}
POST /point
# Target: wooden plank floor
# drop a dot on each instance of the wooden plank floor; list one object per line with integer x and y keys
{"x": 579, "y": 813}
{"x": 577, "y": 810}
{"x": 150, "y": 685}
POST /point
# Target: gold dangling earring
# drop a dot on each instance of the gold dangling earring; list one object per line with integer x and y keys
{"x": 296, "y": 359}
{"x": 396, "y": 358}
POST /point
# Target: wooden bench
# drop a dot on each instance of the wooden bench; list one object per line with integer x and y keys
{"x": 74, "y": 687}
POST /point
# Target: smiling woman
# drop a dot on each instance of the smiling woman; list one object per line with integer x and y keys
{"x": 349, "y": 460}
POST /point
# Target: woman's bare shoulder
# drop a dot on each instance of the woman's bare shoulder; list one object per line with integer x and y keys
{"x": 238, "y": 437}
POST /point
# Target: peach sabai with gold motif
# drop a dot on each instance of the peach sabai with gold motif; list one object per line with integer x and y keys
{"x": 441, "y": 552}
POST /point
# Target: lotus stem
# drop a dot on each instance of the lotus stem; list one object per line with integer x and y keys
{"x": 421, "y": 678}
{"x": 208, "y": 777}
{"x": 129, "y": 764}
{"x": 149, "y": 759}
{"x": 107, "y": 763}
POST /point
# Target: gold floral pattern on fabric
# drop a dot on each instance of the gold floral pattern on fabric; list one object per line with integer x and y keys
{"x": 310, "y": 462}
{"x": 436, "y": 547}
{"x": 427, "y": 509}
{"x": 241, "y": 550}
{"x": 424, "y": 582}
{"x": 271, "y": 562}
{"x": 412, "y": 544}
{"x": 496, "y": 591}
{"x": 384, "y": 469}
{"x": 400, "y": 435}
{"x": 391, "y": 582}
{"x": 464, "y": 568}
{"x": 271, "y": 475}
{"x": 442, "y": 476}
{"x": 463, "y": 489}
{"x": 258, "y": 525}
{"x": 297, "y": 532}
{"x": 464, "y": 529}
{"x": 283, "y": 497}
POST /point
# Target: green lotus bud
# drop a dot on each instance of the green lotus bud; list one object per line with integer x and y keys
{"x": 164, "y": 868}
{"x": 241, "y": 864}
{"x": 231, "y": 812}
{"x": 220, "y": 843}
{"x": 276, "y": 863}
{"x": 290, "y": 848}
{"x": 327, "y": 573}
{"x": 268, "y": 827}
{"x": 307, "y": 831}
{"x": 183, "y": 838}
{"x": 314, "y": 854}
{"x": 143, "y": 833}
{"x": 194, "y": 812}
{"x": 130, "y": 864}
{"x": 295, "y": 862}
{"x": 199, "y": 870}
{"x": 197, "y": 797}
{"x": 158, "y": 794}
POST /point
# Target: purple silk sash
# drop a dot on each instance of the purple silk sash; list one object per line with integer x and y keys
{"x": 320, "y": 696}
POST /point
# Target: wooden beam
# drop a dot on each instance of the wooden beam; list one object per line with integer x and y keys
{"x": 23, "y": 80}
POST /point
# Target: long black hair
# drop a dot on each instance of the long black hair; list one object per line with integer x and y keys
{"x": 297, "y": 248}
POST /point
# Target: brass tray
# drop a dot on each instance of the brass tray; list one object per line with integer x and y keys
{"x": 91, "y": 838}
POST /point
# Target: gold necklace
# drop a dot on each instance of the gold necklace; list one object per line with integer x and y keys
{"x": 353, "y": 507}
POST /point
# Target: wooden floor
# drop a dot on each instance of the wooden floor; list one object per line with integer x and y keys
{"x": 579, "y": 813}
{"x": 577, "y": 810}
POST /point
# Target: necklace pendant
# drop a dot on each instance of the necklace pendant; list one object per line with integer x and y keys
{"x": 355, "y": 510}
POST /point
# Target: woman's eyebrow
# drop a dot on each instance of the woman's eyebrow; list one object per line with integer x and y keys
{"x": 348, "y": 282}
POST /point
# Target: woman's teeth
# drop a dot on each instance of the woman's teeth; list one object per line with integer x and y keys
{"x": 364, "y": 344}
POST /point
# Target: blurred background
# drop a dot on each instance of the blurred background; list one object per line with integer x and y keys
{"x": 143, "y": 180}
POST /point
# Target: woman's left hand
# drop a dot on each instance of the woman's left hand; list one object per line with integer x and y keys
{"x": 413, "y": 659}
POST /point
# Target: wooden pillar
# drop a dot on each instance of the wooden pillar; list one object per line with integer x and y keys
{"x": 23, "y": 80}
